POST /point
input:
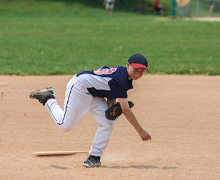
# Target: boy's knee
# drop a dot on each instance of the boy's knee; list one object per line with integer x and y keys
{"x": 65, "y": 129}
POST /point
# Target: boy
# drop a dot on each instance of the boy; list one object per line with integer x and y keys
{"x": 158, "y": 7}
{"x": 109, "y": 6}
{"x": 212, "y": 5}
{"x": 89, "y": 89}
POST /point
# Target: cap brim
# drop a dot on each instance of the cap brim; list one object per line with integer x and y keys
{"x": 136, "y": 65}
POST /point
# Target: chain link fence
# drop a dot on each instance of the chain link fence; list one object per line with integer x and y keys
{"x": 199, "y": 8}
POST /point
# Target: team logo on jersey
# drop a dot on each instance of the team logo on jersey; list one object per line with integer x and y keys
{"x": 101, "y": 71}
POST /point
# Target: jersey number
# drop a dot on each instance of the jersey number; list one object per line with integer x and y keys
{"x": 105, "y": 71}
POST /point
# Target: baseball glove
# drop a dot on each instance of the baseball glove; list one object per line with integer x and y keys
{"x": 115, "y": 110}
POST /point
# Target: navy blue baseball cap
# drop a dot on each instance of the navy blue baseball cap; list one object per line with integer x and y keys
{"x": 138, "y": 61}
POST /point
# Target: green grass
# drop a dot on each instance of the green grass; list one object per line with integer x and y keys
{"x": 54, "y": 37}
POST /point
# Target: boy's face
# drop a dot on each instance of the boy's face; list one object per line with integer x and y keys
{"x": 134, "y": 73}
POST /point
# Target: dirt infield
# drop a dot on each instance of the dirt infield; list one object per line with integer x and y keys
{"x": 181, "y": 113}
{"x": 207, "y": 19}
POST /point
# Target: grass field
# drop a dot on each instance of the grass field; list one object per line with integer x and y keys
{"x": 65, "y": 37}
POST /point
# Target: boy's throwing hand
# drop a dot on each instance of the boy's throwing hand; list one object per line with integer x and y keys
{"x": 144, "y": 135}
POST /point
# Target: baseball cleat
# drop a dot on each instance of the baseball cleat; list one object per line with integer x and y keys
{"x": 43, "y": 95}
{"x": 92, "y": 161}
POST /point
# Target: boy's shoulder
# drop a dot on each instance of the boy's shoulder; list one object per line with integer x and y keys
{"x": 117, "y": 73}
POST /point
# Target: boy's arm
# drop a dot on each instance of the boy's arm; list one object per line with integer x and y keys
{"x": 132, "y": 119}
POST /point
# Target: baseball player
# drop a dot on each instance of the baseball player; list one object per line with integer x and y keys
{"x": 212, "y": 5}
{"x": 95, "y": 91}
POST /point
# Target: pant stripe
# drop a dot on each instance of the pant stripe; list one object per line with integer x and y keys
{"x": 66, "y": 105}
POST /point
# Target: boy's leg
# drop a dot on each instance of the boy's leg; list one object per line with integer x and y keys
{"x": 211, "y": 7}
{"x": 161, "y": 8}
{"x": 111, "y": 8}
{"x": 105, "y": 127}
{"x": 75, "y": 99}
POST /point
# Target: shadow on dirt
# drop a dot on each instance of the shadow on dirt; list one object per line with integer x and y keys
{"x": 59, "y": 167}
